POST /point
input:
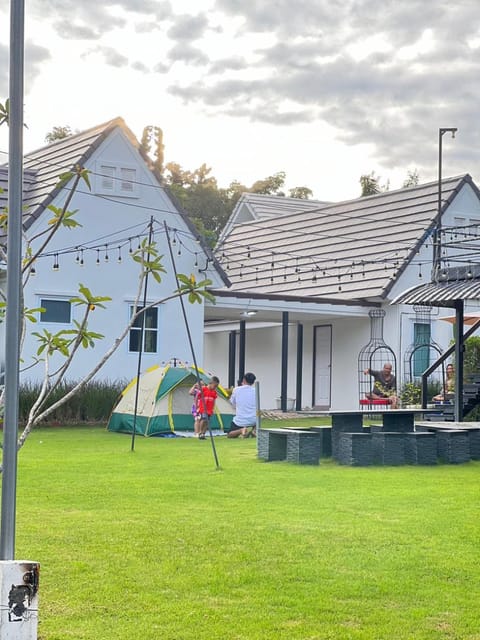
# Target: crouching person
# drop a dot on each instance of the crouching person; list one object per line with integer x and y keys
{"x": 244, "y": 402}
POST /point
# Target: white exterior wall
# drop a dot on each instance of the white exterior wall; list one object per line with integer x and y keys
{"x": 100, "y": 217}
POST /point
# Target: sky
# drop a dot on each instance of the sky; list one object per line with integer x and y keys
{"x": 325, "y": 90}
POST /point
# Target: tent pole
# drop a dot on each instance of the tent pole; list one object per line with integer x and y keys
{"x": 190, "y": 341}
{"x": 140, "y": 347}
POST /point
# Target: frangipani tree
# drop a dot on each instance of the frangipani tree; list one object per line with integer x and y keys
{"x": 57, "y": 351}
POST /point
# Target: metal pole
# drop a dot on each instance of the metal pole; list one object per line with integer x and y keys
{"x": 437, "y": 234}
{"x": 459, "y": 350}
{"x": 258, "y": 422}
{"x": 436, "y": 238}
{"x": 190, "y": 342}
{"x": 142, "y": 337}
{"x": 284, "y": 379}
{"x": 14, "y": 281}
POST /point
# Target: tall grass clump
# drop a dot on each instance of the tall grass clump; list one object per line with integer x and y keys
{"x": 93, "y": 403}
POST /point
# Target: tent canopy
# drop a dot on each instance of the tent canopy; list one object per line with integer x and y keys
{"x": 163, "y": 403}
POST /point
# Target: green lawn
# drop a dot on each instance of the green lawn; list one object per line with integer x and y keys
{"x": 158, "y": 545}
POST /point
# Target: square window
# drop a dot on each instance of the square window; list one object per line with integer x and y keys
{"x": 55, "y": 311}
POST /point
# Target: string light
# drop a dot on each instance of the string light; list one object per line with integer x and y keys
{"x": 119, "y": 259}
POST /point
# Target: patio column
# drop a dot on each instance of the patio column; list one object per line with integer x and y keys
{"x": 241, "y": 350}
{"x": 232, "y": 349}
{"x": 298, "y": 394}
{"x": 459, "y": 350}
{"x": 284, "y": 368}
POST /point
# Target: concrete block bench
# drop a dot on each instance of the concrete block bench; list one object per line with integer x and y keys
{"x": 472, "y": 430}
{"x": 325, "y": 433}
{"x": 388, "y": 448}
{"x": 453, "y": 446}
{"x": 420, "y": 448}
{"x": 292, "y": 445}
{"x": 355, "y": 449}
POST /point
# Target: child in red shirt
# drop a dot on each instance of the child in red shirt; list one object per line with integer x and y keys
{"x": 206, "y": 404}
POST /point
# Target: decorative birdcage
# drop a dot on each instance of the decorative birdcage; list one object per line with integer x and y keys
{"x": 423, "y": 351}
{"x": 420, "y": 355}
{"x": 374, "y": 355}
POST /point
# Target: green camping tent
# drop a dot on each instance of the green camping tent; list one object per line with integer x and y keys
{"x": 164, "y": 403}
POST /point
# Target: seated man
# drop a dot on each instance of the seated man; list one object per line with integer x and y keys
{"x": 244, "y": 401}
{"x": 385, "y": 384}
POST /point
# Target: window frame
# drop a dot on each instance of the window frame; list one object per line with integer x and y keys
{"x": 124, "y": 187}
{"x": 55, "y": 299}
{"x": 150, "y": 333}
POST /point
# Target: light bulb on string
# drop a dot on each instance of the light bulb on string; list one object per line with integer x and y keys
{"x": 77, "y": 257}
{"x": 98, "y": 256}
{"x": 119, "y": 259}
{"x": 81, "y": 258}
{"x": 56, "y": 266}
{"x": 130, "y": 250}
{"x": 196, "y": 260}
{"x": 106, "y": 253}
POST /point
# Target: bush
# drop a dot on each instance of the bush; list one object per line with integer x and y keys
{"x": 93, "y": 403}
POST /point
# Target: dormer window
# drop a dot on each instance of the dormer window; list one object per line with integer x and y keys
{"x": 116, "y": 179}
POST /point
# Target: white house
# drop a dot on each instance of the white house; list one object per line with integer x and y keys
{"x": 125, "y": 204}
{"x": 303, "y": 284}
{"x": 294, "y": 280}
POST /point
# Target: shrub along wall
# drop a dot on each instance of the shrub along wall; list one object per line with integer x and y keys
{"x": 92, "y": 404}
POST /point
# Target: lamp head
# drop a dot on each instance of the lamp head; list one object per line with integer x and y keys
{"x": 451, "y": 130}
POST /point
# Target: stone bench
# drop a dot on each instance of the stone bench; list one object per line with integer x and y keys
{"x": 293, "y": 445}
{"x": 420, "y": 448}
{"x": 355, "y": 449}
{"x": 388, "y": 448}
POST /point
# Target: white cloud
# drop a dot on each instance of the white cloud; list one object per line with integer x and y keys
{"x": 380, "y": 77}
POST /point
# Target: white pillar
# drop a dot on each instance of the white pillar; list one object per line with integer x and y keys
{"x": 19, "y": 581}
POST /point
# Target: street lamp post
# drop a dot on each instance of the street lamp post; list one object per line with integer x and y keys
{"x": 437, "y": 242}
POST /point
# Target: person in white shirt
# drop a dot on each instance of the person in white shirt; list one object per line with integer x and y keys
{"x": 245, "y": 405}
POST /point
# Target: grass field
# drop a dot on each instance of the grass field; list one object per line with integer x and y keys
{"x": 157, "y": 544}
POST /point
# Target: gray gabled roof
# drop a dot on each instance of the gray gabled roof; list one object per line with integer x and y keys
{"x": 43, "y": 167}
{"x": 351, "y": 250}
{"x": 255, "y": 206}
